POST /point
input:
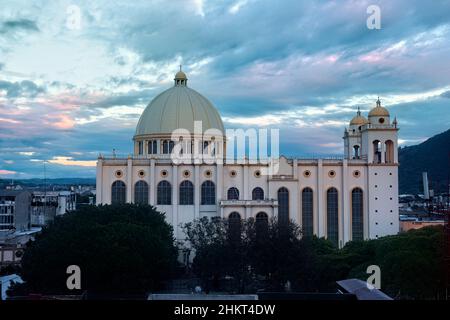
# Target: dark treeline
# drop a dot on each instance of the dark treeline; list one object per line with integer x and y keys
{"x": 268, "y": 255}
{"x": 130, "y": 249}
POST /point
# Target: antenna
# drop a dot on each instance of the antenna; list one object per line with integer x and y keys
{"x": 426, "y": 189}
{"x": 447, "y": 235}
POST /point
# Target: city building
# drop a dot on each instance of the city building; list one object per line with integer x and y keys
{"x": 46, "y": 205}
{"x": 14, "y": 211}
{"x": 416, "y": 223}
{"x": 342, "y": 199}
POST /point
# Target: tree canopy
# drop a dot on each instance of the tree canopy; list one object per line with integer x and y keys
{"x": 119, "y": 249}
{"x": 411, "y": 264}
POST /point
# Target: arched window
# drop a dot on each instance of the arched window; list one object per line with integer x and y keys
{"x": 186, "y": 193}
{"x": 357, "y": 214}
{"x": 233, "y": 194}
{"x": 377, "y": 151}
{"x": 152, "y": 147}
{"x": 307, "y": 212}
{"x": 118, "y": 192}
{"x": 140, "y": 147}
{"x": 141, "y": 192}
{"x": 164, "y": 193}
{"x": 165, "y": 146}
{"x": 332, "y": 216}
{"x": 262, "y": 223}
{"x": 258, "y": 194}
{"x": 208, "y": 193}
{"x": 283, "y": 205}
{"x": 389, "y": 155}
{"x": 356, "y": 152}
{"x": 205, "y": 147}
{"x": 234, "y": 226}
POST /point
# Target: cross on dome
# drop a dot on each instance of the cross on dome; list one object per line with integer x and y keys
{"x": 378, "y": 102}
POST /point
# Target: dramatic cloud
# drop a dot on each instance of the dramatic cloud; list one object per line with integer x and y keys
{"x": 72, "y": 87}
{"x": 24, "y": 88}
{"x": 18, "y": 25}
{"x": 68, "y": 161}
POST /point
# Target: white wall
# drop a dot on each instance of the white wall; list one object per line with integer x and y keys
{"x": 379, "y": 223}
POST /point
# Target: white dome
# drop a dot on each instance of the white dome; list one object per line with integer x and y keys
{"x": 178, "y": 108}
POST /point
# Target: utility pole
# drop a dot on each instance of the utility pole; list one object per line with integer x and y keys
{"x": 45, "y": 192}
{"x": 447, "y": 235}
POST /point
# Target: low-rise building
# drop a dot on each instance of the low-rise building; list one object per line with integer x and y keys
{"x": 46, "y": 205}
{"x": 406, "y": 225}
{"x": 14, "y": 211}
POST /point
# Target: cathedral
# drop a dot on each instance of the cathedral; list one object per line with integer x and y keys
{"x": 342, "y": 199}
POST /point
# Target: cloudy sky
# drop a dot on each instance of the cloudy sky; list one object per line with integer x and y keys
{"x": 70, "y": 90}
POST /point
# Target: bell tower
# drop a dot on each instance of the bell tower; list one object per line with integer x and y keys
{"x": 379, "y": 147}
{"x": 379, "y": 137}
{"x": 353, "y": 136}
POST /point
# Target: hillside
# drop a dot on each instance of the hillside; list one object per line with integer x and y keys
{"x": 431, "y": 156}
{"x": 49, "y": 182}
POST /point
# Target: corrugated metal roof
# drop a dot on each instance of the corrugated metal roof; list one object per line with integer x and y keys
{"x": 362, "y": 290}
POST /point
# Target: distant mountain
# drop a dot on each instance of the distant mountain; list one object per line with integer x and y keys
{"x": 432, "y": 156}
{"x": 48, "y": 182}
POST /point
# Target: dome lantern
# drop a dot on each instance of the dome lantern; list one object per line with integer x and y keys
{"x": 359, "y": 119}
{"x": 180, "y": 78}
{"x": 379, "y": 110}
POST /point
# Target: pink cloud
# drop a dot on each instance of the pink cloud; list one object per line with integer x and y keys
{"x": 372, "y": 57}
{"x": 7, "y": 172}
{"x": 12, "y": 121}
{"x": 63, "y": 121}
{"x": 69, "y": 161}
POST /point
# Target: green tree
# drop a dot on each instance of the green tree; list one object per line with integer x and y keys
{"x": 412, "y": 263}
{"x": 272, "y": 251}
{"x": 119, "y": 249}
{"x": 218, "y": 251}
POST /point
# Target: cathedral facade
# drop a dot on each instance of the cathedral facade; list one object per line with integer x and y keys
{"x": 350, "y": 198}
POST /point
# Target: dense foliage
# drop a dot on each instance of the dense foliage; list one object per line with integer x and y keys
{"x": 130, "y": 249}
{"x": 411, "y": 263}
{"x": 119, "y": 248}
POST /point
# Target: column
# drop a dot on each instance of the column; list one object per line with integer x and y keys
{"x": 246, "y": 184}
{"x": 196, "y": 191}
{"x": 248, "y": 212}
{"x": 367, "y": 203}
{"x": 295, "y": 168}
{"x": 175, "y": 199}
{"x": 99, "y": 181}
{"x": 345, "y": 216}
{"x": 320, "y": 228}
{"x": 129, "y": 179}
{"x": 275, "y": 212}
{"x": 383, "y": 152}
{"x": 152, "y": 182}
{"x": 219, "y": 182}
{"x": 297, "y": 191}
